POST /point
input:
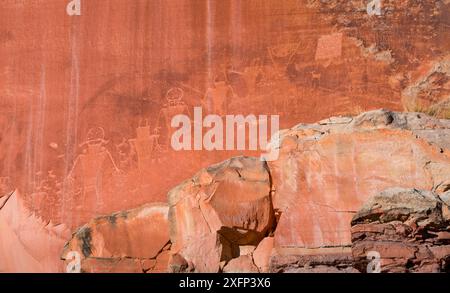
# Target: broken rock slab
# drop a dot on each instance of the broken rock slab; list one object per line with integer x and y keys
{"x": 405, "y": 229}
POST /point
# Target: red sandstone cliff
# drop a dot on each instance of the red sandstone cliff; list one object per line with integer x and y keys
{"x": 84, "y": 110}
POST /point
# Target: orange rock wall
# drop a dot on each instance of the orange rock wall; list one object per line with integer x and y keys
{"x": 83, "y": 109}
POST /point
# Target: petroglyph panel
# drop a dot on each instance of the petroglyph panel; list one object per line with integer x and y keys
{"x": 86, "y": 101}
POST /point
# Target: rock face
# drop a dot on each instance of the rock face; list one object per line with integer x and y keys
{"x": 131, "y": 241}
{"x": 219, "y": 211}
{"x": 27, "y": 243}
{"x": 85, "y": 115}
{"x": 317, "y": 58}
{"x": 409, "y": 229}
{"x": 327, "y": 171}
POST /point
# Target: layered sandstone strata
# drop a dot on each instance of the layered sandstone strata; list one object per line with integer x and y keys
{"x": 408, "y": 228}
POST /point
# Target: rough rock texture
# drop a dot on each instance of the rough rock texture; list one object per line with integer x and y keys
{"x": 317, "y": 260}
{"x": 220, "y": 211}
{"x": 131, "y": 241}
{"x": 327, "y": 170}
{"x": 409, "y": 228}
{"x": 430, "y": 91}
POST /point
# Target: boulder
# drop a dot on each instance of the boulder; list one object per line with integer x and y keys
{"x": 220, "y": 209}
{"x": 112, "y": 67}
{"x": 131, "y": 241}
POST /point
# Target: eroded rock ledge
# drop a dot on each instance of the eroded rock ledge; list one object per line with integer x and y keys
{"x": 341, "y": 188}
{"x": 409, "y": 228}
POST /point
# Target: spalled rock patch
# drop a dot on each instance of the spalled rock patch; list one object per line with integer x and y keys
{"x": 132, "y": 241}
{"x": 222, "y": 208}
{"x": 407, "y": 229}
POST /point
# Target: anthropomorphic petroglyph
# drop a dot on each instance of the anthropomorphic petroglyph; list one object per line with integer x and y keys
{"x": 282, "y": 55}
{"x": 175, "y": 106}
{"x": 147, "y": 146}
{"x": 93, "y": 166}
{"x": 218, "y": 97}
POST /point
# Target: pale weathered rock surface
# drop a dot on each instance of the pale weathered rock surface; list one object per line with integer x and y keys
{"x": 132, "y": 241}
{"x": 326, "y": 171}
{"x": 408, "y": 230}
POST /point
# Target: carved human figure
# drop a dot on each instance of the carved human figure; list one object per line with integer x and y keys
{"x": 174, "y": 106}
{"x": 146, "y": 145}
{"x": 142, "y": 144}
{"x": 92, "y": 168}
{"x": 315, "y": 79}
{"x": 125, "y": 154}
{"x": 282, "y": 55}
{"x": 218, "y": 97}
{"x": 252, "y": 75}
{"x": 49, "y": 183}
